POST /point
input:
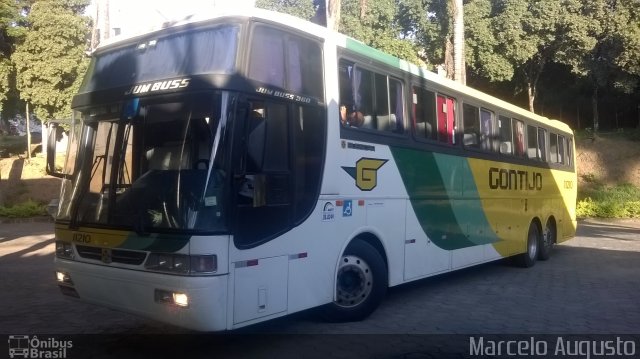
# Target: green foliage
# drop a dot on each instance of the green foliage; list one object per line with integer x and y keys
{"x": 51, "y": 60}
{"x": 10, "y": 34}
{"x": 622, "y": 201}
{"x": 303, "y": 9}
{"x": 24, "y": 210}
{"x": 376, "y": 23}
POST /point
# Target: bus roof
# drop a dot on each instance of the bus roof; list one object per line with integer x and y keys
{"x": 343, "y": 41}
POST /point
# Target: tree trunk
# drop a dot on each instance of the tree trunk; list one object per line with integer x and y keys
{"x": 105, "y": 32}
{"x": 45, "y": 139}
{"x": 594, "y": 106}
{"x": 95, "y": 30}
{"x": 333, "y": 14}
{"x": 28, "y": 133}
{"x": 458, "y": 41}
{"x": 531, "y": 91}
{"x": 449, "y": 66}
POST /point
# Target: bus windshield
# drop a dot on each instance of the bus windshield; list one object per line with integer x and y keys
{"x": 149, "y": 165}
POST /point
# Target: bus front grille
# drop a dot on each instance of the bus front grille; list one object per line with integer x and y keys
{"x": 116, "y": 255}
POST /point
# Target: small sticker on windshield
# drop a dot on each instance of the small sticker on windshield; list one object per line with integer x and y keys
{"x": 210, "y": 201}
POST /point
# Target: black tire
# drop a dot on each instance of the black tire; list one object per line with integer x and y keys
{"x": 361, "y": 283}
{"x": 547, "y": 240}
{"x": 528, "y": 258}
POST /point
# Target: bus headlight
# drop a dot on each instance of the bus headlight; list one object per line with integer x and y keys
{"x": 64, "y": 250}
{"x": 63, "y": 278}
{"x": 181, "y": 264}
{"x": 171, "y": 298}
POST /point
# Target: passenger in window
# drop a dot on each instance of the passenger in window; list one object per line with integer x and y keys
{"x": 351, "y": 118}
{"x": 520, "y": 138}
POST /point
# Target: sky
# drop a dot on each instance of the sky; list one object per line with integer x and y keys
{"x": 139, "y": 15}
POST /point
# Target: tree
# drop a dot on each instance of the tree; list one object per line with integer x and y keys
{"x": 613, "y": 60}
{"x": 51, "y": 61}
{"x": 457, "y": 18}
{"x": 427, "y": 24}
{"x": 516, "y": 39}
{"x": 304, "y": 9}
{"x": 379, "y": 24}
{"x": 11, "y": 33}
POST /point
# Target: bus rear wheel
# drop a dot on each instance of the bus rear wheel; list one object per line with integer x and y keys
{"x": 361, "y": 283}
{"x": 528, "y": 258}
{"x": 547, "y": 240}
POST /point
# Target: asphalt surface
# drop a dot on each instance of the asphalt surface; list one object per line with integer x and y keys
{"x": 589, "y": 287}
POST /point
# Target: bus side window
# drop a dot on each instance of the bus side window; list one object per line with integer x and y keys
{"x": 471, "y": 123}
{"x": 561, "y": 145}
{"x": 348, "y": 115}
{"x": 542, "y": 144}
{"x": 532, "y": 143}
{"x": 363, "y": 98}
{"x": 424, "y": 113}
{"x": 446, "y": 113}
{"x": 518, "y": 137}
{"x": 553, "y": 148}
{"x": 506, "y": 135}
{"x": 486, "y": 130}
{"x": 396, "y": 106}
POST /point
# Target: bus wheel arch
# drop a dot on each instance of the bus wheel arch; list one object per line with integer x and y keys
{"x": 361, "y": 280}
{"x": 533, "y": 241}
{"x": 548, "y": 238}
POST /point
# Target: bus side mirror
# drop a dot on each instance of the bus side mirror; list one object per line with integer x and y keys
{"x": 52, "y": 131}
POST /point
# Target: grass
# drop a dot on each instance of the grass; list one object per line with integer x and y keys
{"x": 24, "y": 210}
{"x": 620, "y": 201}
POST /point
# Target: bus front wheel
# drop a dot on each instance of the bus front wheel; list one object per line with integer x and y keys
{"x": 361, "y": 283}
{"x": 528, "y": 258}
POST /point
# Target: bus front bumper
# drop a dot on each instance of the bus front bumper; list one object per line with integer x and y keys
{"x": 137, "y": 292}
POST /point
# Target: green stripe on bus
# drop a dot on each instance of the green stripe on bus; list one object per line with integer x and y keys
{"x": 434, "y": 185}
{"x": 372, "y": 53}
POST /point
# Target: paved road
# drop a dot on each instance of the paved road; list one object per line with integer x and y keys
{"x": 589, "y": 286}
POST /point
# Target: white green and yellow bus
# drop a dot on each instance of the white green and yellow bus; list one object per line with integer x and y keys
{"x": 239, "y": 167}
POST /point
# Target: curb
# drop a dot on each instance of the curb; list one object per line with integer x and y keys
{"x": 42, "y": 219}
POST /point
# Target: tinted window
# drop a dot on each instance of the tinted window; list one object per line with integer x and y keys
{"x": 471, "y": 126}
{"x": 518, "y": 137}
{"x": 486, "y": 127}
{"x": 286, "y": 61}
{"x": 190, "y": 53}
{"x": 561, "y": 145}
{"x": 553, "y": 148}
{"x": 532, "y": 143}
{"x": 542, "y": 145}
{"x": 424, "y": 113}
{"x": 506, "y": 140}
{"x": 396, "y": 106}
{"x": 370, "y": 100}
